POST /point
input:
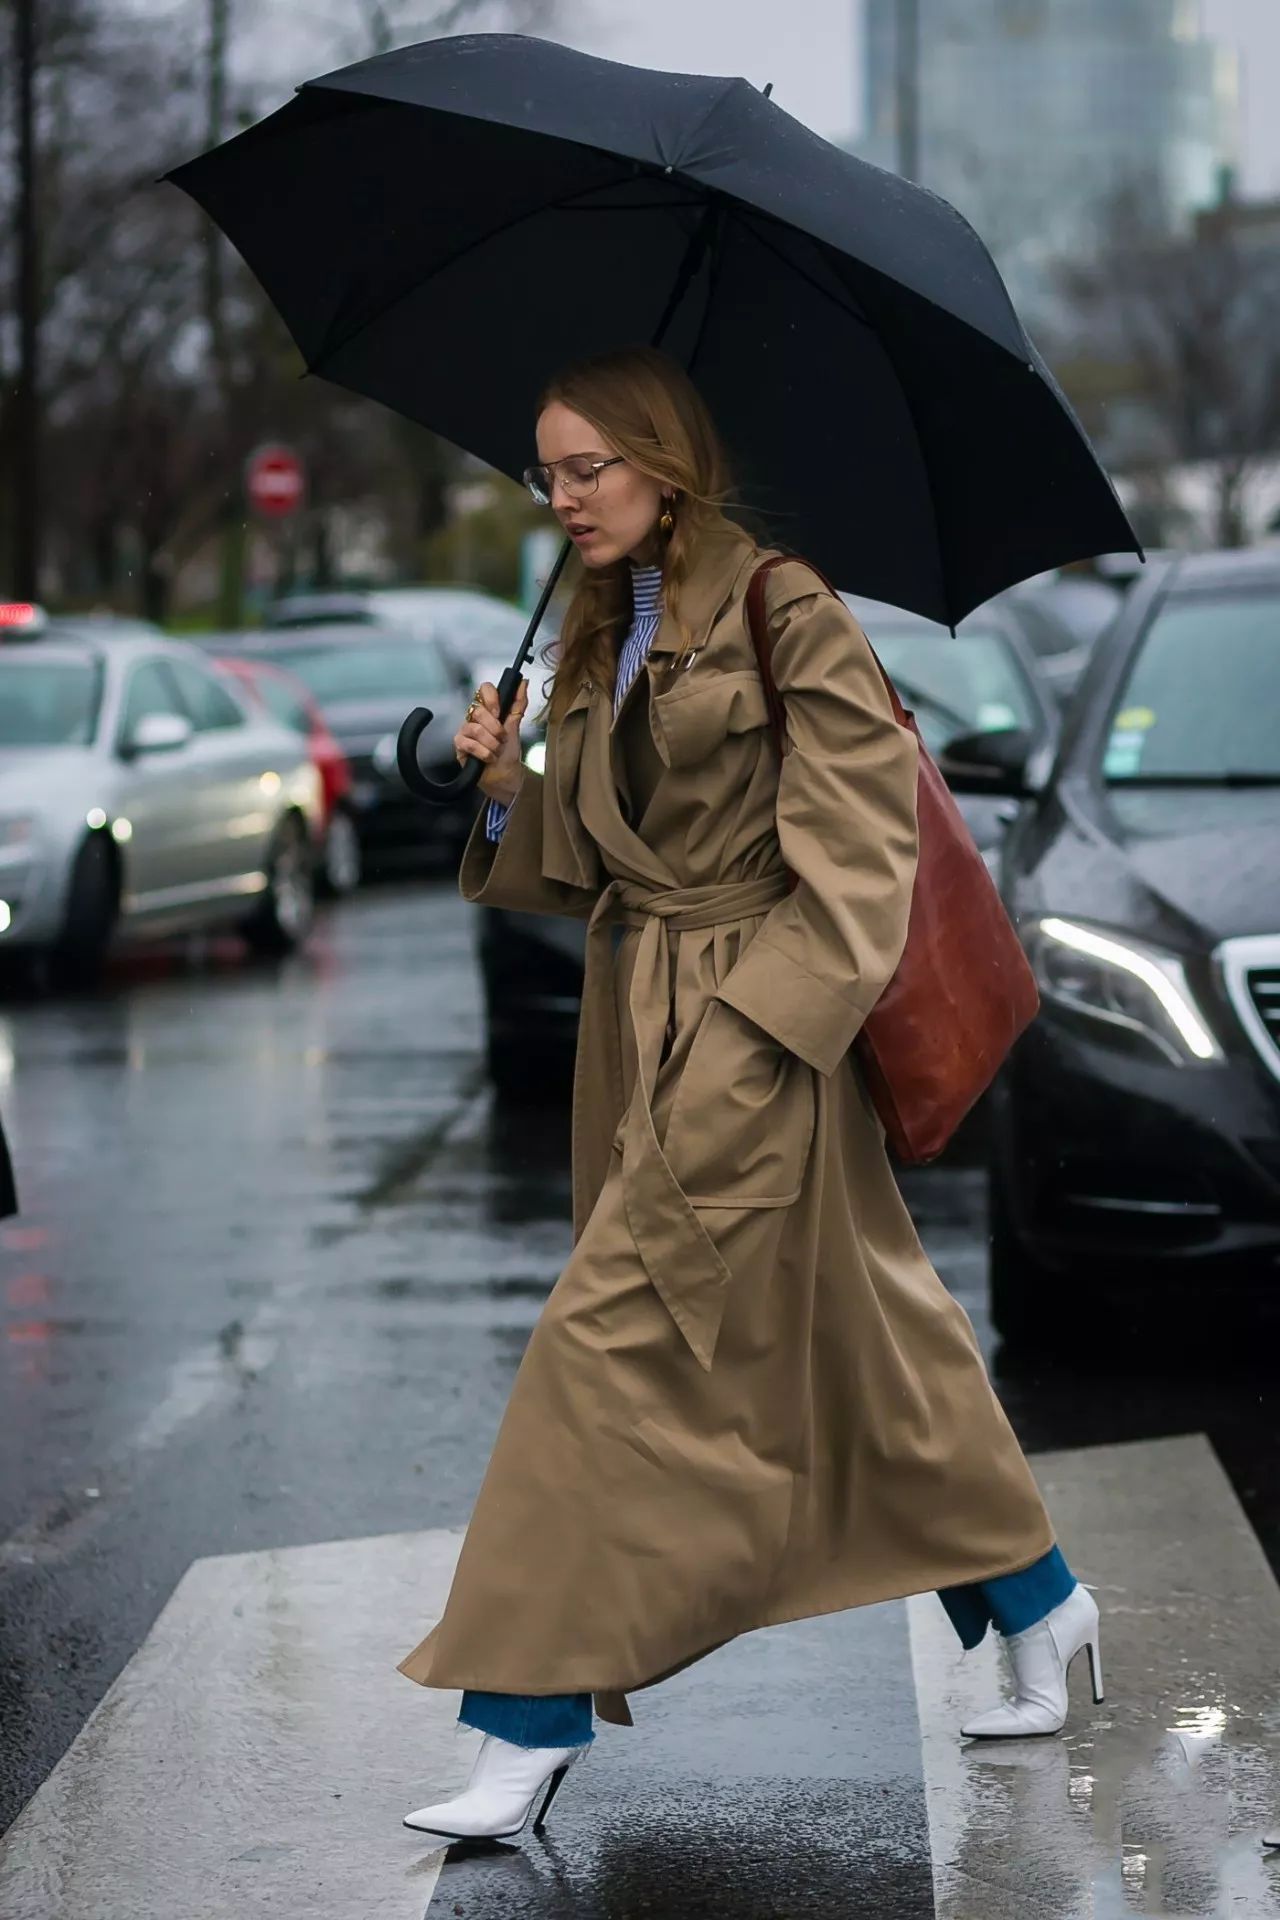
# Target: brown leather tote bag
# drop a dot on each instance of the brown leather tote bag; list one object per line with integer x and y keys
{"x": 963, "y": 990}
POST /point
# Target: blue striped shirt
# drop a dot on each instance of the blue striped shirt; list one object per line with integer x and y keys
{"x": 646, "y": 618}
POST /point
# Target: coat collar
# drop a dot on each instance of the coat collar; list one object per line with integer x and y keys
{"x": 722, "y": 556}
{"x": 569, "y": 852}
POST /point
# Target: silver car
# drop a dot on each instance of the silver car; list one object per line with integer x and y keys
{"x": 140, "y": 797}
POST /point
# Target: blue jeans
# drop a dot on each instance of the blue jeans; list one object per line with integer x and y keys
{"x": 1011, "y": 1604}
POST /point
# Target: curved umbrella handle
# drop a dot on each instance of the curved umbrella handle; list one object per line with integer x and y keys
{"x": 441, "y": 792}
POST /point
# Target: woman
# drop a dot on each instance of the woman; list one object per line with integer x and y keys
{"x": 749, "y": 1398}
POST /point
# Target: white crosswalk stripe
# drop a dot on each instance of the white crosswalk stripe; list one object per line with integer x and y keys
{"x": 1154, "y": 1802}
{"x": 255, "y": 1756}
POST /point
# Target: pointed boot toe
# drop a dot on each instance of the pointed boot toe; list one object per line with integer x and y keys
{"x": 505, "y": 1783}
{"x": 1040, "y": 1659}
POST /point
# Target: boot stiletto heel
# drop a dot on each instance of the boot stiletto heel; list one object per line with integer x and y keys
{"x": 552, "y": 1791}
{"x": 1040, "y": 1658}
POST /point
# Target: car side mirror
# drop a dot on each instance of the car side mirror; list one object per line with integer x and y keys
{"x": 158, "y": 733}
{"x": 988, "y": 763}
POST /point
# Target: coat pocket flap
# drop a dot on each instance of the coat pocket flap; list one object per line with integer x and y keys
{"x": 691, "y": 717}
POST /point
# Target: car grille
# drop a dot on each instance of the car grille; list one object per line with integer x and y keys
{"x": 1264, "y": 991}
{"x": 1250, "y": 972}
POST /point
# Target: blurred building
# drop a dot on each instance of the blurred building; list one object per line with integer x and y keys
{"x": 1031, "y": 115}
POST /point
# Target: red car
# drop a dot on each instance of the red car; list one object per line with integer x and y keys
{"x": 287, "y": 700}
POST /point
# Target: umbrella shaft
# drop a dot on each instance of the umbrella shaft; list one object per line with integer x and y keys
{"x": 526, "y": 645}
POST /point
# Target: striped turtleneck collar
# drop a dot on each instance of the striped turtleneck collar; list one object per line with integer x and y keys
{"x": 646, "y": 590}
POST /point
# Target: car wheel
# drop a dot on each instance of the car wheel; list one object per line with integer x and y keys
{"x": 1024, "y": 1296}
{"x": 282, "y": 919}
{"x": 340, "y": 862}
{"x": 79, "y": 954}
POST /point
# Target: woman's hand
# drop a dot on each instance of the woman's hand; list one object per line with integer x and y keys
{"x": 485, "y": 738}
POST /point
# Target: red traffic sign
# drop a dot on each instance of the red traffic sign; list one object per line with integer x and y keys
{"x": 275, "y": 482}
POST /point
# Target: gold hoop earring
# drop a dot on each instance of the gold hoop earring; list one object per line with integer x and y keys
{"x": 667, "y": 522}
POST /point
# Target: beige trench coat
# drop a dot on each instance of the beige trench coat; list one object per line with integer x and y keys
{"x": 749, "y": 1398}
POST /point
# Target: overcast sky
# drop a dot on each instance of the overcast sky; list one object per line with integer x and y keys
{"x": 809, "y": 49}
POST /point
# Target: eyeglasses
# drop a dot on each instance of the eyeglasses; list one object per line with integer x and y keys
{"x": 578, "y": 476}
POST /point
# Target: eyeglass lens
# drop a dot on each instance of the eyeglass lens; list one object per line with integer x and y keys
{"x": 577, "y": 477}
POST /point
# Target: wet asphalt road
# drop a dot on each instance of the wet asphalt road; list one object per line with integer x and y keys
{"x": 278, "y": 1258}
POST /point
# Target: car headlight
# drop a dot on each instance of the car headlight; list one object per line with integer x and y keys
{"x": 16, "y": 829}
{"x": 536, "y": 758}
{"x": 1125, "y": 983}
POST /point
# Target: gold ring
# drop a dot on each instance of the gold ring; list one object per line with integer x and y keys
{"x": 471, "y": 711}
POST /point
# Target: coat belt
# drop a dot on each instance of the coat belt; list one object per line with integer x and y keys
{"x": 679, "y": 1255}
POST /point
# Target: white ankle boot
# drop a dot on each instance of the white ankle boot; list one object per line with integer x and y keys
{"x": 1040, "y": 1658}
{"x": 498, "y": 1798}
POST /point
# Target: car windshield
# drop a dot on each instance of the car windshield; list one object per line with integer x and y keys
{"x": 967, "y": 683}
{"x": 1200, "y": 700}
{"x": 48, "y": 703}
{"x": 280, "y": 700}
{"x": 484, "y": 623}
{"x": 320, "y": 614}
{"x": 369, "y": 670}
{"x": 477, "y": 628}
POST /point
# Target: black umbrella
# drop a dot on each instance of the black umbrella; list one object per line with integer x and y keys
{"x": 443, "y": 226}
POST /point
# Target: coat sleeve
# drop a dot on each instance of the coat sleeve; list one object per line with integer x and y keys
{"x": 846, "y": 816}
{"x": 508, "y": 872}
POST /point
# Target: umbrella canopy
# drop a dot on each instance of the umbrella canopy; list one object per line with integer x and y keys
{"x": 442, "y": 227}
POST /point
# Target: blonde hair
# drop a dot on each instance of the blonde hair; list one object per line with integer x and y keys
{"x": 649, "y": 411}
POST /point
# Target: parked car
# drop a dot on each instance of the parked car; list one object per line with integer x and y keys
{"x": 365, "y": 682}
{"x": 1136, "y": 1129}
{"x": 283, "y": 696}
{"x": 326, "y": 608}
{"x": 139, "y": 797}
{"x": 102, "y": 626}
{"x": 979, "y": 682}
{"x": 20, "y": 621}
{"x": 1061, "y": 621}
{"x": 482, "y": 632}
{"x": 983, "y": 679}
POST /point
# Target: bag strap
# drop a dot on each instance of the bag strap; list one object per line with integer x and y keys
{"x": 758, "y": 625}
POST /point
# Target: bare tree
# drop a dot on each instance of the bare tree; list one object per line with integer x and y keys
{"x": 1186, "y": 331}
{"x": 162, "y": 370}
{"x": 377, "y": 26}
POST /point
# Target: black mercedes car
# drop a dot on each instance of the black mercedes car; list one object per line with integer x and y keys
{"x": 1136, "y": 1128}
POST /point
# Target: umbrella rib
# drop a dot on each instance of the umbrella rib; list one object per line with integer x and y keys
{"x": 713, "y": 287}
{"x": 928, "y": 481}
{"x": 802, "y": 273}
{"x": 863, "y": 320}
{"x": 442, "y": 266}
{"x": 483, "y": 240}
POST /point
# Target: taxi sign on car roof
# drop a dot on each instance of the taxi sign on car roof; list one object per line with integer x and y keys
{"x": 19, "y": 616}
